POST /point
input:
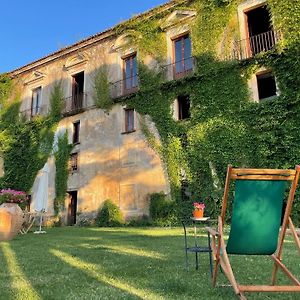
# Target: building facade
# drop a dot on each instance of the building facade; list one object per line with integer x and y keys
{"x": 112, "y": 157}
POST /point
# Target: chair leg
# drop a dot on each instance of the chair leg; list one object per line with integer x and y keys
{"x": 197, "y": 262}
{"x": 210, "y": 255}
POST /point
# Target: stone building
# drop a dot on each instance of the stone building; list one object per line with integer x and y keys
{"x": 111, "y": 157}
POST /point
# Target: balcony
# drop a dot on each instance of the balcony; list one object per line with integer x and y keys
{"x": 124, "y": 87}
{"x": 179, "y": 69}
{"x": 249, "y": 47}
{"x": 31, "y": 113}
{"x": 75, "y": 104}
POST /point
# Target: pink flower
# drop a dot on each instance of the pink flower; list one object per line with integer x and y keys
{"x": 199, "y": 206}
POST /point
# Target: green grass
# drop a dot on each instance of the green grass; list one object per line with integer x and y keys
{"x": 121, "y": 263}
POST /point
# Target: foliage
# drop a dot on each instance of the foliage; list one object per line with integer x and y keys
{"x": 162, "y": 210}
{"x": 56, "y": 101}
{"x": 101, "y": 93}
{"x": 109, "y": 215}
{"x": 5, "y": 88}
{"x": 13, "y": 196}
{"x": 62, "y": 155}
{"x": 225, "y": 125}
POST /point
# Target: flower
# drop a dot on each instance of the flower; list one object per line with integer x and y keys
{"x": 13, "y": 196}
{"x": 199, "y": 206}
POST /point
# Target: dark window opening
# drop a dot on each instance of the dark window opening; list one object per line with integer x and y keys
{"x": 266, "y": 85}
{"x": 74, "y": 162}
{"x": 76, "y": 129}
{"x": 129, "y": 120}
{"x": 260, "y": 30}
{"x": 130, "y": 72}
{"x": 36, "y": 101}
{"x": 77, "y": 90}
{"x": 72, "y": 208}
{"x": 183, "y": 107}
{"x": 182, "y": 55}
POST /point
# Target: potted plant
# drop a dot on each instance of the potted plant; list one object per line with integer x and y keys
{"x": 198, "y": 210}
{"x": 11, "y": 214}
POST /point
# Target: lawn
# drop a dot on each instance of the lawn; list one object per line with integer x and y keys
{"x": 121, "y": 263}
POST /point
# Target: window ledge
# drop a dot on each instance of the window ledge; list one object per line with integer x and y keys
{"x": 127, "y": 132}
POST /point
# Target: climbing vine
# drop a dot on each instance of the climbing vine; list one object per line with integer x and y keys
{"x": 62, "y": 156}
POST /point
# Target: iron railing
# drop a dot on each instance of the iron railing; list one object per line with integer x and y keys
{"x": 249, "y": 47}
{"x": 33, "y": 112}
{"x": 75, "y": 104}
{"x": 179, "y": 69}
{"x": 124, "y": 87}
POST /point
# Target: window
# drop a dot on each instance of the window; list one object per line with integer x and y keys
{"x": 36, "y": 101}
{"x": 260, "y": 30}
{"x": 266, "y": 85}
{"x": 182, "y": 55}
{"x": 74, "y": 162}
{"x": 130, "y": 73}
{"x": 129, "y": 120}
{"x": 183, "y": 107}
{"x": 76, "y": 129}
{"x": 77, "y": 90}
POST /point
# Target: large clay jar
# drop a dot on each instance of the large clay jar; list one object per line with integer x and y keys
{"x": 11, "y": 220}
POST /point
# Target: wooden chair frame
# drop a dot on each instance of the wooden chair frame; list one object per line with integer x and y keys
{"x": 218, "y": 245}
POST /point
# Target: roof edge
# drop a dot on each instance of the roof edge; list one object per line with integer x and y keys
{"x": 91, "y": 39}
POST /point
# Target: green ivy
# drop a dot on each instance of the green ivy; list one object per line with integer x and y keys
{"x": 101, "y": 93}
{"x": 62, "y": 156}
{"x": 225, "y": 125}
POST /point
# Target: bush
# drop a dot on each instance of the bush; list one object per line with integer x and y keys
{"x": 109, "y": 215}
{"x": 162, "y": 210}
{"x": 139, "y": 222}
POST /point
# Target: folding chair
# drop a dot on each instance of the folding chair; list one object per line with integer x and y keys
{"x": 255, "y": 225}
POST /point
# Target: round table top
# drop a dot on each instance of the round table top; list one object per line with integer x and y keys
{"x": 200, "y": 219}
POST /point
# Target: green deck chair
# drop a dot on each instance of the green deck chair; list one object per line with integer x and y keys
{"x": 255, "y": 225}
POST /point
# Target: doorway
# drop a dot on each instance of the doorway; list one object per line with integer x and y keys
{"x": 260, "y": 29}
{"x": 72, "y": 208}
{"x": 77, "y": 90}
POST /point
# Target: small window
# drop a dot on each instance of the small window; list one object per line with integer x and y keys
{"x": 182, "y": 55}
{"x": 36, "y": 101}
{"x": 183, "y": 107}
{"x": 130, "y": 73}
{"x": 76, "y": 129}
{"x": 129, "y": 120}
{"x": 74, "y": 162}
{"x": 266, "y": 85}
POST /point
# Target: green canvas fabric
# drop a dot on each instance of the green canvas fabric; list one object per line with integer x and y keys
{"x": 256, "y": 217}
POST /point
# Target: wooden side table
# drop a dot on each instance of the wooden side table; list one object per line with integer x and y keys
{"x": 195, "y": 247}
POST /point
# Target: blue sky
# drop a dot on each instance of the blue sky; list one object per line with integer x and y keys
{"x": 32, "y": 29}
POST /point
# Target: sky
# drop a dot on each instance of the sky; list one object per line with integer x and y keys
{"x": 31, "y": 29}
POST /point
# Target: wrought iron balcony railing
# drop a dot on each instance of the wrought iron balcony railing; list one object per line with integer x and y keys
{"x": 33, "y": 112}
{"x": 75, "y": 104}
{"x": 124, "y": 87}
{"x": 179, "y": 69}
{"x": 249, "y": 47}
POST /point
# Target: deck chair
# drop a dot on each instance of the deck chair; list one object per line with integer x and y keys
{"x": 255, "y": 225}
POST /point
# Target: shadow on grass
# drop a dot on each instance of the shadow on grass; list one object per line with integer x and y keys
{"x": 83, "y": 263}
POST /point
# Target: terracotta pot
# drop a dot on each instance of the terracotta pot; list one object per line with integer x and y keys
{"x": 198, "y": 213}
{"x": 11, "y": 220}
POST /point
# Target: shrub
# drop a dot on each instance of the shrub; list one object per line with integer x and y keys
{"x": 162, "y": 210}
{"x": 109, "y": 215}
{"x": 139, "y": 222}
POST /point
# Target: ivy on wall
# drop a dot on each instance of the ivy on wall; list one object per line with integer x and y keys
{"x": 62, "y": 156}
{"x": 225, "y": 125}
{"x": 25, "y": 144}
